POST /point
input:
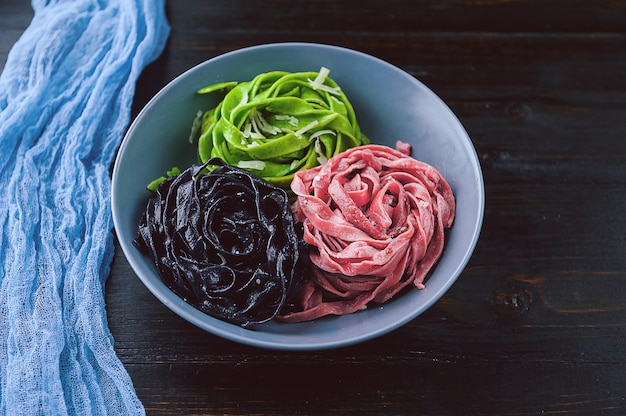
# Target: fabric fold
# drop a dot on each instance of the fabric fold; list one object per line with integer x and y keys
{"x": 65, "y": 98}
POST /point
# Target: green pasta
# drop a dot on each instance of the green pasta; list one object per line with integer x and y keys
{"x": 278, "y": 124}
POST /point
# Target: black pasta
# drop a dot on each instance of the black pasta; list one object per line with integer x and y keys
{"x": 226, "y": 242}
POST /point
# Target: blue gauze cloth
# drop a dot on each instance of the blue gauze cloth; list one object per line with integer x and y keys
{"x": 65, "y": 98}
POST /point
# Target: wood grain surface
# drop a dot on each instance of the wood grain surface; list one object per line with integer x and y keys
{"x": 536, "y": 324}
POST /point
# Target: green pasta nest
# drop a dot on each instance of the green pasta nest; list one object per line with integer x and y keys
{"x": 278, "y": 124}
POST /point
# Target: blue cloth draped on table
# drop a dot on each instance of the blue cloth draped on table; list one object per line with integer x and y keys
{"x": 65, "y": 98}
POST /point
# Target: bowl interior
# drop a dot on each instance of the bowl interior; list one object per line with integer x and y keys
{"x": 390, "y": 105}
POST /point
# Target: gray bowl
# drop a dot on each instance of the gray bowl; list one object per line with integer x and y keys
{"x": 390, "y": 105}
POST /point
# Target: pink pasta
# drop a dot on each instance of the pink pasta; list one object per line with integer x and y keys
{"x": 375, "y": 219}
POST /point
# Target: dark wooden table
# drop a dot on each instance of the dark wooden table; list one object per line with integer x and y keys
{"x": 536, "y": 324}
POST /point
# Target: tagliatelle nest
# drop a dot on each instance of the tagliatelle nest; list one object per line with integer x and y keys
{"x": 279, "y": 123}
{"x": 226, "y": 242}
{"x": 375, "y": 220}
